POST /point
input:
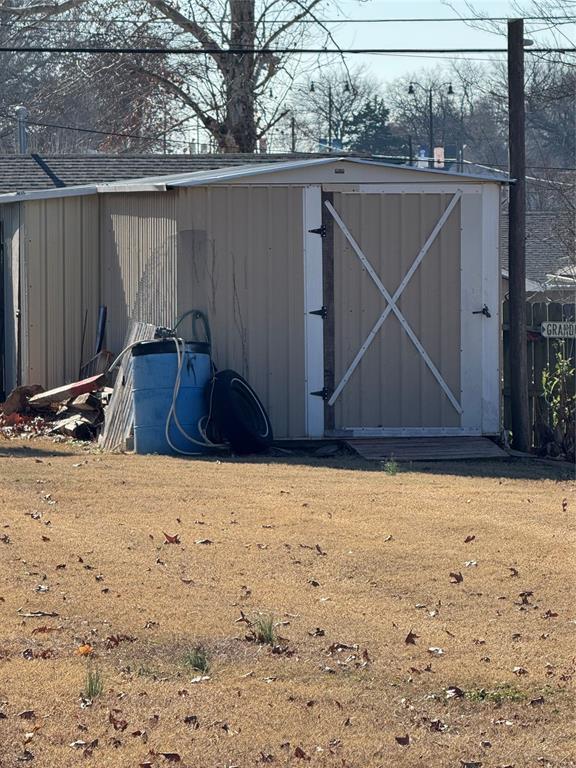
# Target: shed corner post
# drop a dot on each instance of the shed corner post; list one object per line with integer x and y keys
{"x": 313, "y": 319}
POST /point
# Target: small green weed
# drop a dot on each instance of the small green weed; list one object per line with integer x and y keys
{"x": 264, "y": 630}
{"x": 496, "y": 695}
{"x": 390, "y": 466}
{"x": 197, "y": 659}
{"x": 94, "y": 684}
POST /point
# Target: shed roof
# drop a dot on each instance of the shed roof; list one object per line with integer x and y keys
{"x": 244, "y": 171}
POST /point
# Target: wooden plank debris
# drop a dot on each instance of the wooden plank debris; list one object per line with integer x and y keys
{"x": 119, "y": 414}
{"x": 60, "y": 394}
{"x": 425, "y": 448}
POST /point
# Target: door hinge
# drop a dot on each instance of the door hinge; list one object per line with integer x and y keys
{"x": 318, "y": 231}
{"x": 484, "y": 311}
{"x": 322, "y": 312}
{"x": 323, "y": 393}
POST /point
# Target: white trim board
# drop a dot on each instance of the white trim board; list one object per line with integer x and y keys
{"x": 313, "y": 300}
{"x": 416, "y": 189}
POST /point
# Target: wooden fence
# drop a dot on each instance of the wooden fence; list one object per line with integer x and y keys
{"x": 542, "y": 353}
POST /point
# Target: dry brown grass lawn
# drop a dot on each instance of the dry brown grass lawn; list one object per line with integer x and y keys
{"x": 362, "y": 554}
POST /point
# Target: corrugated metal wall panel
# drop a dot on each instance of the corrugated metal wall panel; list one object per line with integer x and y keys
{"x": 392, "y": 386}
{"x": 60, "y": 260}
{"x": 139, "y": 255}
{"x": 240, "y": 261}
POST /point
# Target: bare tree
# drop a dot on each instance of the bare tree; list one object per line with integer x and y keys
{"x": 227, "y": 88}
{"x": 76, "y": 103}
{"x": 326, "y": 104}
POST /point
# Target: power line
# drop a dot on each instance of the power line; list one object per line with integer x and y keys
{"x": 423, "y": 20}
{"x": 271, "y": 51}
{"x": 97, "y": 131}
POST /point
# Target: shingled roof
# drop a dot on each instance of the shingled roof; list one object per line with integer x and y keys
{"x": 550, "y": 247}
{"x": 19, "y": 173}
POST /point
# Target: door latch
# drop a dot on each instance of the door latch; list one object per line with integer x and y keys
{"x": 484, "y": 311}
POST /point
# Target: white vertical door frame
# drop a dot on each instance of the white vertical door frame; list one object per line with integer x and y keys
{"x": 471, "y": 300}
{"x": 313, "y": 300}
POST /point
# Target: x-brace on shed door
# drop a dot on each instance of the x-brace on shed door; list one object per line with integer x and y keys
{"x": 394, "y": 362}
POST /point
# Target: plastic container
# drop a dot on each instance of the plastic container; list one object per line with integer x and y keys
{"x": 155, "y": 365}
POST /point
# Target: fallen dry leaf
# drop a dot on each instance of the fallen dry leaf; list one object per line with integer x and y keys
{"x": 117, "y": 722}
{"x": 404, "y": 741}
{"x": 299, "y": 752}
{"x": 84, "y": 650}
{"x": 27, "y": 714}
{"x": 44, "y": 629}
{"x": 411, "y": 638}
{"x": 564, "y": 505}
{"x": 171, "y": 538}
{"x": 204, "y": 541}
{"x": 171, "y": 757}
{"x": 456, "y": 577}
{"x": 114, "y": 640}
{"x": 468, "y": 539}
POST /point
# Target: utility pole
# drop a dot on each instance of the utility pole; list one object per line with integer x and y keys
{"x": 293, "y": 133}
{"x": 517, "y": 239}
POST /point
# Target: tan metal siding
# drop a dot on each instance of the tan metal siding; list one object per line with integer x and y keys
{"x": 60, "y": 267}
{"x": 392, "y": 386}
{"x": 241, "y": 262}
{"x": 139, "y": 252}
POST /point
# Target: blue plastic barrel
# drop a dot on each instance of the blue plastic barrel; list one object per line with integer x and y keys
{"x": 155, "y": 365}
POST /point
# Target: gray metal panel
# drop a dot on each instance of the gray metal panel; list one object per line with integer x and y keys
{"x": 393, "y": 387}
{"x": 60, "y": 281}
{"x": 241, "y": 261}
{"x": 139, "y": 252}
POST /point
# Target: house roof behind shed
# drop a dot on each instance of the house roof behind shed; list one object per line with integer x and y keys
{"x": 550, "y": 246}
{"x": 24, "y": 173}
{"x": 31, "y": 173}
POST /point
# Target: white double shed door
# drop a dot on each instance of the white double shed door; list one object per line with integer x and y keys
{"x": 401, "y": 293}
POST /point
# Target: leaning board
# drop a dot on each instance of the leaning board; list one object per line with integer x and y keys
{"x": 119, "y": 414}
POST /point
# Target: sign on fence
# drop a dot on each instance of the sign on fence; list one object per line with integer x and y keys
{"x": 559, "y": 330}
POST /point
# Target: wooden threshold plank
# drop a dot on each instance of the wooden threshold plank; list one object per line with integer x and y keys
{"x": 426, "y": 449}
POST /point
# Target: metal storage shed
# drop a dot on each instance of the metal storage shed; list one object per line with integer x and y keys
{"x": 357, "y": 297}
